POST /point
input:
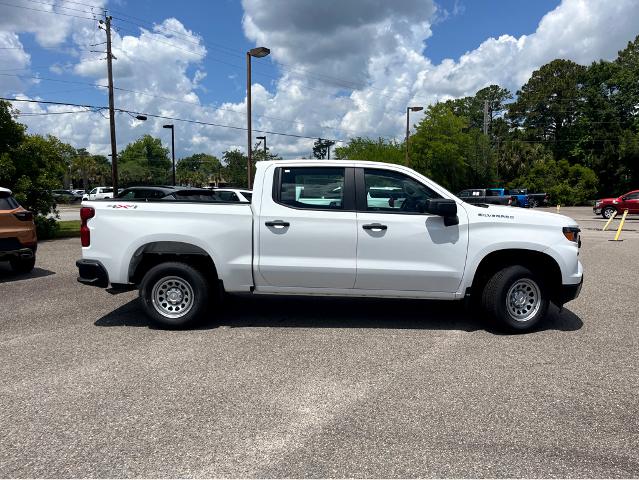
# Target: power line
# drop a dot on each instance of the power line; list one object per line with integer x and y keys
{"x": 165, "y": 117}
{"x": 75, "y": 82}
{"x": 37, "y": 114}
{"x": 58, "y": 6}
{"x": 46, "y": 11}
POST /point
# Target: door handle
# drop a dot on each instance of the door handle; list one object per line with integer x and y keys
{"x": 376, "y": 227}
{"x": 277, "y": 224}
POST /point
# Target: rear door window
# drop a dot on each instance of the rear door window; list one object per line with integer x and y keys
{"x": 316, "y": 188}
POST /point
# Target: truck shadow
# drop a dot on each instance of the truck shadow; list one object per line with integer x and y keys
{"x": 310, "y": 312}
{"x": 7, "y": 275}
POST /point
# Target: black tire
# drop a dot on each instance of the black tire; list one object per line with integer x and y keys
{"x": 608, "y": 212}
{"x": 507, "y": 313}
{"x": 533, "y": 203}
{"x": 22, "y": 265}
{"x": 189, "y": 288}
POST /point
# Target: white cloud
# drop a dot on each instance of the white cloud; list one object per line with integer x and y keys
{"x": 357, "y": 65}
{"x": 14, "y": 60}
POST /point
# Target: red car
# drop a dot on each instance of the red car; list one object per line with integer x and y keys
{"x": 608, "y": 206}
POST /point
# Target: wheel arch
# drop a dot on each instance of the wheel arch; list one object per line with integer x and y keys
{"x": 154, "y": 253}
{"x": 536, "y": 261}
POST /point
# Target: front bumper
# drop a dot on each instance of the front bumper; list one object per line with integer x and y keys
{"x": 92, "y": 272}
{"x": 570, "y": 292}
{"x": 596, "y": 210}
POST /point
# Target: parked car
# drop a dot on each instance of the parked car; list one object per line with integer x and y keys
{"x": 491, "y": 196}
{"x": 78, "y": 192}
{"x": 18, "y": 240}
{"x": 312, "y": 230}
{"x": 184, "y": 194}
{"x": 145, "y": 193}
{"x": 522, "y": 198}
{"x": 234, "y": 194}
{"x": 98, "y": 193}
{"x": 608, "y": 206}
{"x": 66, "y": 196}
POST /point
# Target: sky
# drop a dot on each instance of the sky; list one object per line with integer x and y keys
{"x": 337, "y": 69}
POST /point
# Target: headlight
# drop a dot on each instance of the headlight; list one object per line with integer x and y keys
{"x": 597, "y": 203}
{"x": 572, "y": 234}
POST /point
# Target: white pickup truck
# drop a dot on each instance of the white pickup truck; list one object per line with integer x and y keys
{"x": 345, "y": 228}
{"x": 98, "y": 193}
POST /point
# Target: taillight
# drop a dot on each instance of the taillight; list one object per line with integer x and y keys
{"x": 24, "y": 216}
{"x": 85, "y": 234}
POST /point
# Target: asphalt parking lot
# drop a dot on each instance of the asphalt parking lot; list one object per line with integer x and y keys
{"x": 319, "y": 387}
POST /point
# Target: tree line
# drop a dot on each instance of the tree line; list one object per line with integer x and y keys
{"x": 571, "y": 131}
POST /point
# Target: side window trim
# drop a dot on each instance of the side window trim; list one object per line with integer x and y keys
{"x": 348, "y": 198}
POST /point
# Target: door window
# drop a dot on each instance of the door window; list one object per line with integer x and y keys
{"x": 388, "y": 191}
{"x": 633, "y": 196}
{"x": 318, "y": 188}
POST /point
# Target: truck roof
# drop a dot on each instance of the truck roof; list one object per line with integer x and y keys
{"x": 315, "y": 161}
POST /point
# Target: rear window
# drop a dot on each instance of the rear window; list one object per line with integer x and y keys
{"x": 7, "y": 202}
{"x": 248, "y": 195}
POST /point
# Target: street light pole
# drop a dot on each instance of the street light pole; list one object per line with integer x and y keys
{"x": 408, "y": 110}
{"x": 257, "y": 52}
{"x": 172, "y": 147}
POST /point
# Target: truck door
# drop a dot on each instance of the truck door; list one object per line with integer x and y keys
{"x": 307, "y": 228}
{"x": 399, "y": 248}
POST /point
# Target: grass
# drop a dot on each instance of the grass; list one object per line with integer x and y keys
{"x": 68, "y": 228}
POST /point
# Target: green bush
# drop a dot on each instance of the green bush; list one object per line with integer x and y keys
{"x": 565, "y": 184}
{"x": 46, "y": 228}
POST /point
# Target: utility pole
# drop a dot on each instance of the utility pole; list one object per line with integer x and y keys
{"x": 486, "y": 117}
{"x": 408, "y": 110}
{"x": 486, "y": 122}
{"x": 114, "y": 148}
{"x": 263, "y": 138}
{"x": 329, "y": 144}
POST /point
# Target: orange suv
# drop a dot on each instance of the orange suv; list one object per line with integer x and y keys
{"x": 18, "y": 241}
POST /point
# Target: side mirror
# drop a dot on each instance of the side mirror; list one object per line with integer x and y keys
{"x": 443, "y": 207}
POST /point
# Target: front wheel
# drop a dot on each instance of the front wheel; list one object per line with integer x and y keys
{"x": 515, "y": 298}
{"x": 608, "y": 212}
{"x": 174, "y": 294}
{"x": 534, "y": 203}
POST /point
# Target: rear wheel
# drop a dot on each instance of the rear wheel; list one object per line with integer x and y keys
{"x": 533, "y": 203}
{"x": 22, "y": 265}
{"x": 515, "y": 298}
{"x": 608, "y": 212}
{"x": 174, "y": 294}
